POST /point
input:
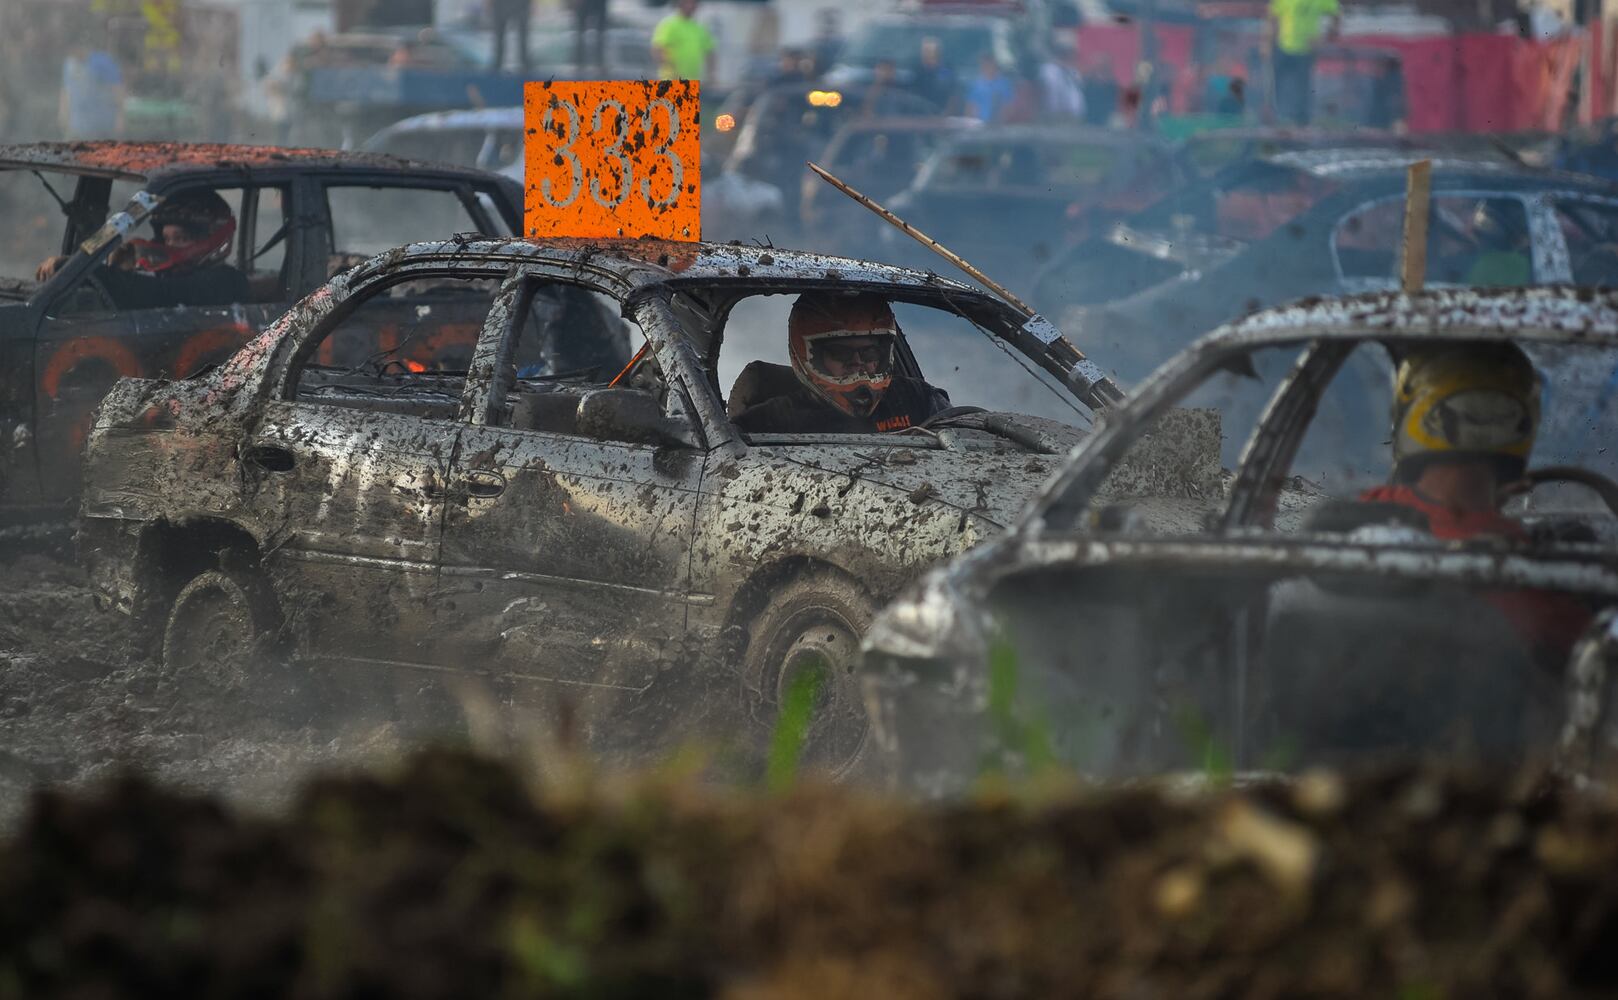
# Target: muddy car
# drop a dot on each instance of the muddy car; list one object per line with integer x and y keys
{"x": 600, "y": 536}
{"x": 299, "y": 215}
{"x": 1319, "y": 222}
{"x": 1280, "y": 609}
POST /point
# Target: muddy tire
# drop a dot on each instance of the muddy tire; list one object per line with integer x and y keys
{"x": 219, "y": 633}
{"x": 813, "y": 623}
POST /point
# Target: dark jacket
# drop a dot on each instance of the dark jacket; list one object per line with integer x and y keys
{"x": 769, "y": 399}
{"x": 217, "y": 285}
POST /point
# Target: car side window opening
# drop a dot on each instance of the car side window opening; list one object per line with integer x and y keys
{"x": 1591, "y": 231}
{"x": 403, "y": 346}
{"x": 571, "y": 341}
{"x": 35, "y": 225}
{"x": 264, "y": 242}
{"x": 950, "y": 354}
{"x": 368, "y": 220}
{"x": 1471, "y": 240}
{"x": 1345, "y": 449}
{"x": 191, "y": 250}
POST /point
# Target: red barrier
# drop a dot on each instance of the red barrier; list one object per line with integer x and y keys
{"x": 1474, "y": 82}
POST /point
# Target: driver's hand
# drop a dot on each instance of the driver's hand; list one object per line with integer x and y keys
{"x": 48, "y": 268}
{"x": 122, "y": 258}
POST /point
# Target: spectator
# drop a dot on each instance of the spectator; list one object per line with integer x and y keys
{"x": 1100, "y": 92}
{"x": 828, "y": 43}
{"x": 683, "y": 48}
{"x": 991, "y": 92}
{"x": 934, "y": 80}
{"x": 516, "y": 15}
{"x": 1296, "y": 27}
{"x": 1061, "y": 90}
{"x": 884, "y": 80}
{"x": 590, "y": 15}
{"x": 92, "y": 102}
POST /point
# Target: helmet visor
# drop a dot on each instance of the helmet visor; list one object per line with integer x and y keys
{"x": 841, "y": 355}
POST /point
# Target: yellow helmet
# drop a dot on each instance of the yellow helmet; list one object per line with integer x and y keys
{"x": 1465, "y": 402}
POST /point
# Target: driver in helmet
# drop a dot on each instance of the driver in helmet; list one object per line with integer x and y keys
{"x": 842, "y": 377}
{"x": 186, "y": 265}
{"x": 1465, "y": 417}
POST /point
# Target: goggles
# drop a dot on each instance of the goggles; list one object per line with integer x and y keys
{"x": 840, "y": 348}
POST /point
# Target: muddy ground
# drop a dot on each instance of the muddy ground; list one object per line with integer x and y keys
{"x": 237, "y": 864}
{"x": 77, "y": 703}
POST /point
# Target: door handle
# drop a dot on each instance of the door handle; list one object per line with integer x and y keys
{"x": 269, "y": 457}
{"x": 483, "y": 483}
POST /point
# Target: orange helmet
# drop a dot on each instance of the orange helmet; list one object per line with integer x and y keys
{"x": 851, "y": 380}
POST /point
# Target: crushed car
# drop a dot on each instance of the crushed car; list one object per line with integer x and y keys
{"x": 1319, "y": 222}
{"x": 1321, "y": 596}
{"x": 93, "y": 295}
{"x": 631, "y": 541}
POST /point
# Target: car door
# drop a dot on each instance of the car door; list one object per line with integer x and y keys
{"x": 345, "y": 469}
{"x": 567, "y": 539}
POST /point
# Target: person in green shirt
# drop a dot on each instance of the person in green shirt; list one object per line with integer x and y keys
{"x": 1296, "y": 29}
{"x": 682, "y": 46}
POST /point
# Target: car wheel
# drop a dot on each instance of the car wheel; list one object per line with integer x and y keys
{"x": 219, "y": 624}
{"x": 812, "y": 628}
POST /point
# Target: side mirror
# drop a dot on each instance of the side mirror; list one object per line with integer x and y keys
{"x": 630, "y": 415}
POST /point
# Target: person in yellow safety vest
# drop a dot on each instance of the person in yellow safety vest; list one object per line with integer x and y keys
{"x": 1296, "y": 28}
{"x": 683, "y": 47}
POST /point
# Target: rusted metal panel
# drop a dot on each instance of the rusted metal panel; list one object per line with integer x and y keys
{"x": 137, "y": 160}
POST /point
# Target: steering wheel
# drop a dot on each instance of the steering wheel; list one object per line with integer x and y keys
{"x": 949, "y": 413}
{"x": 1604, "y": 487}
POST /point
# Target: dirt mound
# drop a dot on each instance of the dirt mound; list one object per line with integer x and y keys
{"x": 453, "y": 878}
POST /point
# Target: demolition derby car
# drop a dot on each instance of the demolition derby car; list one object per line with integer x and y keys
{"x": 286, "y": 220}
{"x": 574, "y": 531}
{"x": 1319, "y": 222}
{"x": 1294, "y": 607}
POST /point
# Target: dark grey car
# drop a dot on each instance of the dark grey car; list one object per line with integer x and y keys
{"x": 577, "y": 532}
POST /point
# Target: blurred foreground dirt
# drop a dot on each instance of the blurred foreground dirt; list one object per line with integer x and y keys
{"x": 453, "y": 877}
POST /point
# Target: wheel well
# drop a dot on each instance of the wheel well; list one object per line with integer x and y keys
{"x": 754, "y": 595}
{"x": 171, "y": 553}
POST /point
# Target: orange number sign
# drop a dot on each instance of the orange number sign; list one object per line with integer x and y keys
{"x": 613, "y": 159}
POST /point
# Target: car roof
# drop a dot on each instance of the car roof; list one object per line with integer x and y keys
{"x": 432, "y": 121}
{"x": 156, "y": 162}
{"x": 1362, "y": 161}
{"x": 1546, "y": 313}
{"x": 650, "y": 262}
{"x": 1064, "y": 135}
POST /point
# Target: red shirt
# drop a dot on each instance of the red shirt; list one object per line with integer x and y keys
{"x": 1550, "y": 622}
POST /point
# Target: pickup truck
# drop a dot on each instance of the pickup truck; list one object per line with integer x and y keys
{"x": 302, "y": 215}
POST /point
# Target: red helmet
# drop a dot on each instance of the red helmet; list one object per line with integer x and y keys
{"x": 818, "y": 321}
{"x": 204, "y": 216}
